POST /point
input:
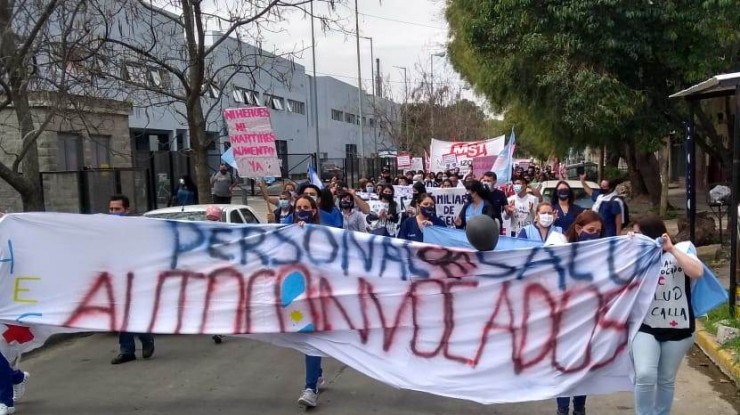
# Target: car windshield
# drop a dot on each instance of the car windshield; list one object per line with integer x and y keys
{"x": 197, "y": 215}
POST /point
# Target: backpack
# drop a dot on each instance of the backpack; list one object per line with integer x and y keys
{"x": 625, "y": 210}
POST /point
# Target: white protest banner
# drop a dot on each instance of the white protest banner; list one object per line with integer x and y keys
{"x": 417, "y": 163}
{"x": 492, "y": 327}
{"x": 462, "y": 153}
{"x": 252, "y": 141}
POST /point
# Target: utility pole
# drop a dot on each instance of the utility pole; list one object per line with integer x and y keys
{"x": 431, "y": 60}
{"x": 405, "y": 104}
{"x": 359, "y": 90}
{"x": 375, "y": 93}
{"x": 315, "y": 95}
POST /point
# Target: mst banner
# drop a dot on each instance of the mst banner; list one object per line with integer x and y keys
{"x": 519, "y": 325}
{"x": 446, "y": 155}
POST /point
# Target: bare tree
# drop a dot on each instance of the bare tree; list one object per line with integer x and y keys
{"x": 410, "y": 125}
{"x": 170, "y": 58}
{"x": 41, "y": 78}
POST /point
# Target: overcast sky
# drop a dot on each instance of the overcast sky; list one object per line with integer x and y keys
{"x": 405, "y": 33}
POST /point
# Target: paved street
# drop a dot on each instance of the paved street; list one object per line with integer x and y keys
{"x": 192, "y": 375}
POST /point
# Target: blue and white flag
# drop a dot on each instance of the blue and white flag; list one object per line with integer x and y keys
{"x": 505, "y": 161}
{"x": 228, "y": 158}
{"x": 313, "y": 178}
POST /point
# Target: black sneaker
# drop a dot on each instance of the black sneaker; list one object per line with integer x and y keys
{"x": 147, "y": 350}
{"x": 122, "y": 358}
{"x": 579, "y": 411}
{"x": 217, "y": 339}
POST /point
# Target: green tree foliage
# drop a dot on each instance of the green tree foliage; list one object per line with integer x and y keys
{"x": 575, "y": 73}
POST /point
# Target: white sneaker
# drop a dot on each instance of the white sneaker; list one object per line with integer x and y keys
{"x": 5, "y": 410}
{"x": 308, "y": 398}
{"x": 20, "y": 389}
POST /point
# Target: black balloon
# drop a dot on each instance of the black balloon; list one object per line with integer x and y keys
{"x": 482, "y": 232}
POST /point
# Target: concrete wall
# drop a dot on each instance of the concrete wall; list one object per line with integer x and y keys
{"x": 98, "y": 118}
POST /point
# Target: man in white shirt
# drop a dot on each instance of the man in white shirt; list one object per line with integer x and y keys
{"x": 522, "y": 206}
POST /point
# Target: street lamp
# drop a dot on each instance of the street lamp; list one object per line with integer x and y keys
{"x": 405, "y": 103}
{"x": 431, "y": 60}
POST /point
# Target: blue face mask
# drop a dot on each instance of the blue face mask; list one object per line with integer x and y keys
{"x": 304, "y": 215}
{"x": 283, "y": 204}
{"x": 587, "y": 236}
{"x": 429, "y": 212}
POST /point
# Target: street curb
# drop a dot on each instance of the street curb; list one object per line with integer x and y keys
{"x": 722, "y": 358}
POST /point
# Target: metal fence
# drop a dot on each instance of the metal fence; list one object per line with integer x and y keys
{"x": 88, "y": 191}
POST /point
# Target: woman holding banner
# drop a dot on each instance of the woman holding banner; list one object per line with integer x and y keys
{"x": 587, "y": 226}
{"x": 667, "y": 333}
{"x": 412, "y": 228}
{"x": 475, "y": 205}
{"x": 307, "y": 212}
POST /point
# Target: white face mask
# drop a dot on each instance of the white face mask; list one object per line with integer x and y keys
{"x": 546, "y": 219}
{"x": 517, "y": 188}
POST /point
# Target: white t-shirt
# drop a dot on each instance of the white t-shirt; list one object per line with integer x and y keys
{"x": 670, "y": 308}
{"x": 525, "y": 209}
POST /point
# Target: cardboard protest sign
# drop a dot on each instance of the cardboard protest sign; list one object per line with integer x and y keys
{"x": 253, "y": 141}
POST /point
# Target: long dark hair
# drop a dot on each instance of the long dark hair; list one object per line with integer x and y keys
{"x": 327, "y": 200}
{"x": 316, "y": 217}
{"x": 586, "y": 217}
{"x": 556, "y": 200}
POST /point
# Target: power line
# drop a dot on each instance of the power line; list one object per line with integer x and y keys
{"x": 390, "y": 19}
{"x": 410, "y": 81}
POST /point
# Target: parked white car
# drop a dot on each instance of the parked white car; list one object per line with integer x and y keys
{"x": 547, "y": 189}
{"x": 231, "y": 213}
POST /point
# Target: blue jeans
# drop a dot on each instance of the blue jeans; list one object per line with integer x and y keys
{"x": 313, "y": 372}
{"x": 126, "y": 341}
{"x": 579, "y": 403}
{"x": 8, "y": 378}
{"x": 656, "y": 364}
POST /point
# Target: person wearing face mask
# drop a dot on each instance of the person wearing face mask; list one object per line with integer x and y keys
{"x": 222, "y": 182}
{"x": 187, "y": 192}
{"x": 307, "y": 212}
{"x": 474, "y": 206}
{"x": 566, "y": 211}
{"x": 370, "y": 189}
{"x": 412, "y": 228}
{"x": 496, "y": 197}
{"x": 521, "y": 208}
{"x": 330, "y": 215}
{"x": 386, "y": 223}
{"x": 586, "y": 227}
{"x": 607, "y": 204}
{"x": 284, "y": 209}
{"x": 542, "y": 228}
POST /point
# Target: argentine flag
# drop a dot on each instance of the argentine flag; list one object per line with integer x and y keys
{"x": 313, "y": 178}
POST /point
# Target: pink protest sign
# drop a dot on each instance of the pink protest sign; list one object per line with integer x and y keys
{"x": 252, "y": 141}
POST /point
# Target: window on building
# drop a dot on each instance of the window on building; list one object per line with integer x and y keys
{"x": 239, "y": 95}
{"x": 337, "y": 115}
{"x": 296, "y": 107}
{"x": 274, "y": 102}
{"x": 155, "y": 78}
{"x": 350, "y": 118}
{"x": 212, "y": 89}
{"x": 371, "y": 122}
{"x": 69, "y": 152}
{"x": 100, "y": 151}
